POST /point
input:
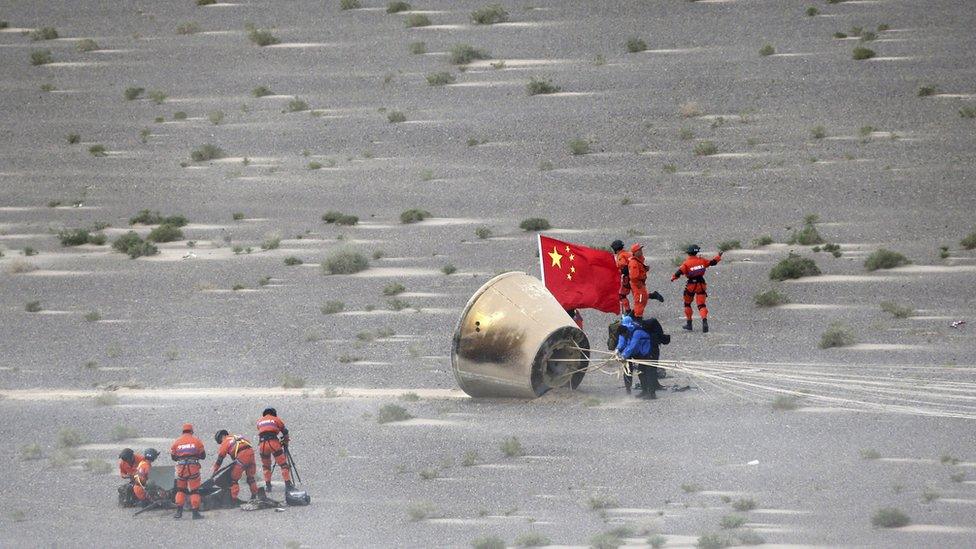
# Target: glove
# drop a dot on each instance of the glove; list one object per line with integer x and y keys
{"x": 656, "y": 295}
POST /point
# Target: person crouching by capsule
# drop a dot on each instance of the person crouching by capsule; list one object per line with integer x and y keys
{"x": 634, "y": 342}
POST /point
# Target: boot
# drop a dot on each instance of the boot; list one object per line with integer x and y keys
{"x": 289, "y": 486}
{"x": 704, "y": 325}
{"x": 687, "y": 325}
{"x": 197, "y": 515}
{"x": 627, "y": 383}
{"x": 267, "y": 486}
{"x": 262, "y": 495}
{"x": 644, "y": 385}
{"x": 179, "y": 513}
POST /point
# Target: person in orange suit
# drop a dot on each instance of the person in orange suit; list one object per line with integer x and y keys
{"x": 269, "y": 427}
{"x": 694, "y": 268}
{"x": 238, "y": 449}
{"x": 623, "y": 258}
{"x": 637, "y": 271}
{"x": 128, "y": 461}
{"x": 140, "y": 480}
{"x": 187, "y": 451}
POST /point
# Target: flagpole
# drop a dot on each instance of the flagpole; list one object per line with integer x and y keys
{"x": 542, "y": 270}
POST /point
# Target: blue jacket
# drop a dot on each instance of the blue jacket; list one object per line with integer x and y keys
{"x": 634, "y": 341}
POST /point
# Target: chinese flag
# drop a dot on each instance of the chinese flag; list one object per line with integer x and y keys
{"x": 579, "y": 277}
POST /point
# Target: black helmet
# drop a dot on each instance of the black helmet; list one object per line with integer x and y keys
{"x": 127, "y": 455}
{"x": 616, "y": 245}
{"x": 270, "y": 412}
{"x": 693, "y": 249}
{"x": 219, "y": 437}
{"x": 151, "y": 454}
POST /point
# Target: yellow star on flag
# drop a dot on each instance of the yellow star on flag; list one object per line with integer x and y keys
{"x": 556, "y": 258}
{"x": 569, "y": 277}
{"x": 572, "y": 269}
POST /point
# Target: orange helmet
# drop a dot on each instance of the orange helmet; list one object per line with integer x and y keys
{"x": 187, "y": 427}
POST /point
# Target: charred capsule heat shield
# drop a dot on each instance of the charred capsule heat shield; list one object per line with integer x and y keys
{"x": 514, "y": 340}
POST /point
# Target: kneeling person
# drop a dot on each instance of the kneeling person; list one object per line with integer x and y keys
{"x": 240, "y": 450}
{"x": 140, "y": 479}
{"x": 636, "y": 343}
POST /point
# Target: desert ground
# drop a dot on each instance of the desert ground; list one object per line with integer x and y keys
{"x": 100, "y": 351}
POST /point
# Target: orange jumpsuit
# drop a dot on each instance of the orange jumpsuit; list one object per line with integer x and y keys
{"x": 187, "y": 451}
{"x": 126, "y": 469}
{"x": 239, "y": 449}
{"x": 268, "y": 428}
{"x": 638, "y": 283}
{"x": 694, "y": 268}
{"x": 623, "y": 258}
{"x": 140, "y": 479}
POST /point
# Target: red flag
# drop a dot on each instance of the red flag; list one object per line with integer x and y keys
{"x": 579, "y": 277}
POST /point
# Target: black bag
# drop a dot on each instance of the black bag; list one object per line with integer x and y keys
{"x": 297, "y": 497}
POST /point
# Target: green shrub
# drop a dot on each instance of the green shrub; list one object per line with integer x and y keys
{"x": 74, "y": 237}
{"x": 812, "y": 11}
{"x": 462, "y": 54}
{"x": 179, "y": 115}
{"x": 488, "y": 542}
{"x": 731, "y": 522}
{"x": 397, "y": 304}
{"x": 705, "y": 148}
{"x": 967, "y": 112}
{"x": 261, "y": 91}
{"x": 579, "y": 147}
{"x": 808, "y": 235}
{"x": 188, "y": 28}
{"x": 417, "y": 48}
{"x": 417, "y": 20}
{"x": 397, "y": 7}
{"x": 31, "y": 452}
{"x": 448, "y": 269}
{"x": 98, "y": 151}
{"x": 395, "y": 117}
{"x": 749, "y": 537}
{"x": 885, "y": 259}
{"x": 291, "y": 261}
{"x": 345, "y": 262}
{"x": 440, "y": 78}
{"x": 165, "y": 233}
{"x": 770, "y": 298}
{"x": 969, "y": 242}
{"x": 33, "y": 307}
{"x": 766, "y": 50}
{"x": 414, "y": 216}
{"x": 606, "y": 540}
{"x": 331, "y": 216}
{"x": 420, "y": 511}
{"x": 861, "y": 53}
{"x": 535, "y": 224}
{"x": 896, "y": 310}
{"x": 349, "y": 4}
{"x": 489, "y": 15}
{"x": 207, "y": 152}
{"x": 926, "y": 91}
{"x": 729, "y": 245}
{"x": 744, "y": 504}
{"x": 889, "y": 517}
{"x": 73, "y": 138}
{"x": 332, "y": 307}
{"x": 69, "y": 438}
{"x": 512, "y": 447}
{"x": 44, "y": 33}
{"x": 157, "y": 96}
{"x": 532, "y": 539}
{"x": 393, "y": 288}
{"x": 41, "y": 57}
{"x": 482, "y": 232}
{"x": 868, "y": 36}
{"x": 134, "y": 246}
{"x": 271, "y": 243}
{"x": 87, "y": 45}
{"x": 792, "y": 267}
{"x": 262, "y": 37}
{"x": 818, "y": 132}
{"x": 390, "y": 413}
{"x": 297, "y": 105}
{"x": 133, "y": 93}
{"x": 765, "y": 240}
{"x": 538, "y": 86}
{"x": 206, "y": 2}
{"x": 836, "y": 335}
{"x": 635, "y": 45}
